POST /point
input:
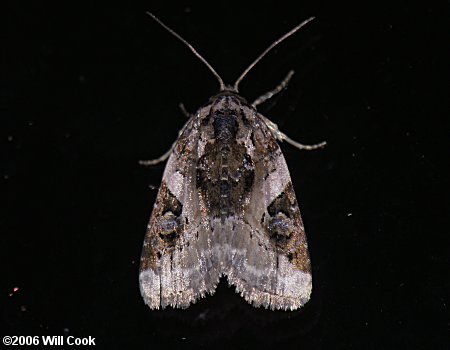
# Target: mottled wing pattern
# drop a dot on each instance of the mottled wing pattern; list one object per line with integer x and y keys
{"x": 226, "y": 205}
{"x": 268, "y": 255}
{"x": 176, "y": 266}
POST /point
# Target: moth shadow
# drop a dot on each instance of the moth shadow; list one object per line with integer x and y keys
{"x": 227, "y": 316}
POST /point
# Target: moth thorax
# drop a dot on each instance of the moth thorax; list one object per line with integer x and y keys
{"x": 225, "y": 127}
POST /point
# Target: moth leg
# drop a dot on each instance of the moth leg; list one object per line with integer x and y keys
{"x": 184, "y": 110}
{"x": 271, "y": 93}
{"x": 159, "y": 159}
{"x": 169, "y": 152}
{"x": 283, "y": 137}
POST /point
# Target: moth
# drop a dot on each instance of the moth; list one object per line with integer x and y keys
{"x": 226, "y": 206}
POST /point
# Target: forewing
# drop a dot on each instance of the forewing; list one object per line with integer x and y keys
{"x": 268, "y": 258}
{"x": 176, "y": 266}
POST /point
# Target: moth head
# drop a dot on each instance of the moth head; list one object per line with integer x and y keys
{"x": 227, "y": 94}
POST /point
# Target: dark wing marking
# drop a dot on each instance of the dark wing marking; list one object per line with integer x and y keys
{"x": 176, "y": 266}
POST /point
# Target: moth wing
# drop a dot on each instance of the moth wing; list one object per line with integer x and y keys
{"x": 268, "y": 260}
{"x": 176, "y": 266}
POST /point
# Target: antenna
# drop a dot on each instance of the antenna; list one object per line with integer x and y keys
{"x": 194, "y": 51}
{"x": 275, "y": 43}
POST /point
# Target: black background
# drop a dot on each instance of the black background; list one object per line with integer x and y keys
{"x": 88, "y": 90}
